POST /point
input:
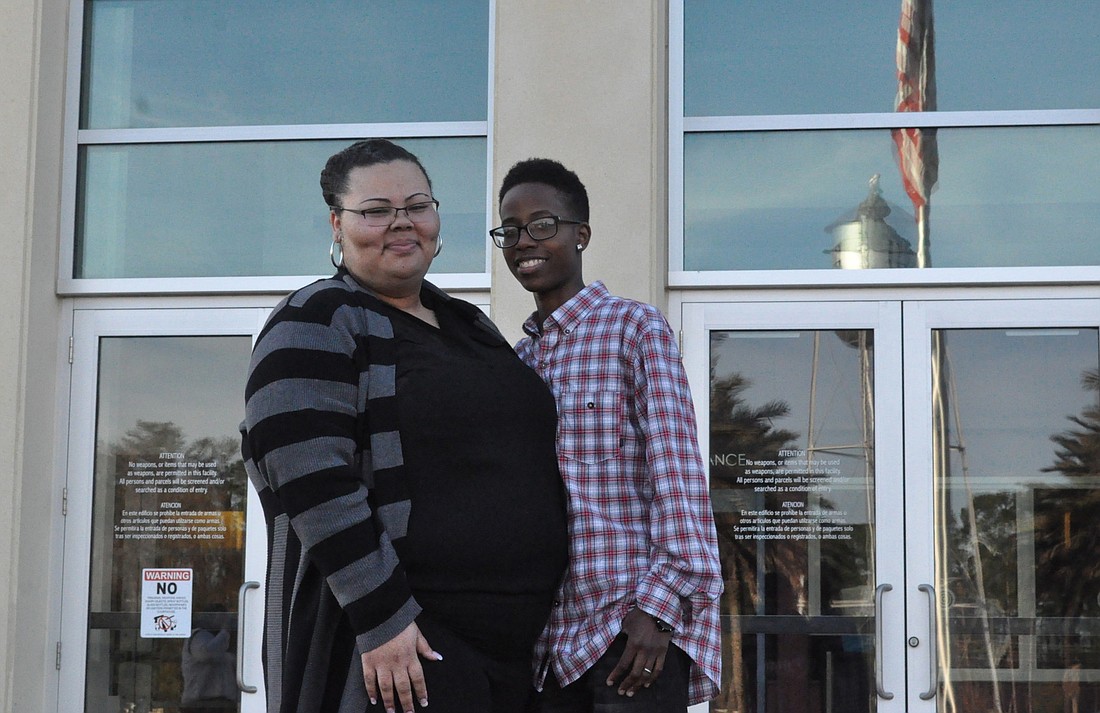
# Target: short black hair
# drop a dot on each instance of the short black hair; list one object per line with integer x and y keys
{"x": 370, "y": 152}
{"x": 553, "y": 174}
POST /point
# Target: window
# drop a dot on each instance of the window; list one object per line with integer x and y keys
{"x": 202, "y": 128}
{"x": 784, "y": 154}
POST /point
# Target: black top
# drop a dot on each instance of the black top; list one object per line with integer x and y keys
{"x": 487, "y": 528}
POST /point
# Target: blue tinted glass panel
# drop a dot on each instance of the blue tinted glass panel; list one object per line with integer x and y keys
{"x": 248, "y": 208}
{"x": 164, "y": 63}
{"x": 792, "y": 481}
{"x": 756, "y": 57}
{"x": 1017, "y": 478}
{"x": 783, "y": 200}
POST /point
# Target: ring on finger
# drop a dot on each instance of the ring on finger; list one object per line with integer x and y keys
{"x": 648, "y": 670}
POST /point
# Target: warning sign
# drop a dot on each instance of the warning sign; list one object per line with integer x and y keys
{"x": 165, "y": 603}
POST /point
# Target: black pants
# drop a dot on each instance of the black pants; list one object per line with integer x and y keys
{"x": 591, "y": 694}
{"x": 477, "y": 674}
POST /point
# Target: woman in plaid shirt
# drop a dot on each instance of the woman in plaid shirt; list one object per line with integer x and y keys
{"x": 635, "y": 623}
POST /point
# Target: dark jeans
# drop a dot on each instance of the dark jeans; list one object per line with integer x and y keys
{"x": 591, "y": 694}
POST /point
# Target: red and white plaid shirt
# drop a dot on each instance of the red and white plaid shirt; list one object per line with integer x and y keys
{"x": 640, "y": 521}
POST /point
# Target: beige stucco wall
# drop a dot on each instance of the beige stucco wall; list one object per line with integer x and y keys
{"x": 17, "y": 44}
{"x": 561, "y": 94}
{"x": 32, "y": 51}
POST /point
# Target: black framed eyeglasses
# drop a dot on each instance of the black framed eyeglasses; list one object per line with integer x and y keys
{"x": 539, "y": 229}
{"x": 380, "y": 216}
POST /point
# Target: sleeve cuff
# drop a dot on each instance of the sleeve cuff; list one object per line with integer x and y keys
{"x": 390, "y": 628}
{"x": 661, "y": 603}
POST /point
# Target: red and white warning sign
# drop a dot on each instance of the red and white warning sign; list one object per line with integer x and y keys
{"x": 166, "y": 603}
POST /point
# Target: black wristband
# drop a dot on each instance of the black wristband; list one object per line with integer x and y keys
{"x": 663, "y": 626}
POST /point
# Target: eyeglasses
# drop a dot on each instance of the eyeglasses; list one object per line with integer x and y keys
{"x": 381, "y": 216}
{"x": 539, "y": 229}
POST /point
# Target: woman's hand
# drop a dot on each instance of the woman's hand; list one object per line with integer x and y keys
{"x": 644, "y": 656}
{"x": 394, "y": 667}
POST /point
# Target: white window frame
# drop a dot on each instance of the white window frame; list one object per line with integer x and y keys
{"x": 76, "y": 138}
{"x": 679, "y": 126}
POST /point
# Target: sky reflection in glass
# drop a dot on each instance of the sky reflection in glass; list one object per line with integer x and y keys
{"x": 1005, "y": 197}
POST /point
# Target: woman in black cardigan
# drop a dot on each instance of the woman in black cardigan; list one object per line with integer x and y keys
{"x": 405, "y": 460}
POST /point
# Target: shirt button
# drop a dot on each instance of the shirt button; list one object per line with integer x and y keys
{"x": 591, "y": 404}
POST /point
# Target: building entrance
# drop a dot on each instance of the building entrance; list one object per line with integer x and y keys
{"x": 906, "y": 495}
{"x": 161, "y": 607}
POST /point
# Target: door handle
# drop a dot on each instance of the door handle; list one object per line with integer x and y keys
{"x": 241, "y": 599}
{"x": 880, "y": 590}
{"x": 933, "y": 655}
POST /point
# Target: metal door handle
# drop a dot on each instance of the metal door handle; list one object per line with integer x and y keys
{"x": 241, "y": 599}
{"x": 879, "y": 688}
{"x": 933, "y": 655}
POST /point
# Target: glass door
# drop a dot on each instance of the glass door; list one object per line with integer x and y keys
{"x": 1003, "y": 501}
{"x": 946, "y": 565}
{"x": 802, "y": 433}
{"x": 164, "y": 541}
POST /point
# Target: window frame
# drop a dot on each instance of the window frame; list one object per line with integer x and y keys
{"x": 680, "y": 125}
{"x": 76, "y": 138}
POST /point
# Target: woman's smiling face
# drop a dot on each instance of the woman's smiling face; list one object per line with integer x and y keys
{"x": 549, "y": 268}
{"x": 390, "y": 260}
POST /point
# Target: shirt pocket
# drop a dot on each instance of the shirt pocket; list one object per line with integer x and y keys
{"x": 590, "y": 426}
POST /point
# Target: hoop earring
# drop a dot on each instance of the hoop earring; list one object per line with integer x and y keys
{"x": 332, "y": 250}
{"x": 438, "y": 245}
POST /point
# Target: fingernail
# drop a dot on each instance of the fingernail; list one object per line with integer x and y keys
{"x": 610, "y": 682}
{"x": 438, "y": 657}
{"x": 423, "y": 702}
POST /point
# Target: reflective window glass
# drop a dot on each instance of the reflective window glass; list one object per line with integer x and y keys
{"x": 790, "y": 200}
{"x": 759, "y": 57}
{"x": 248, "y": 208}
{"x": 162, "y": 63}
{"x": 168, "y": 526}
{"x": 1016, "y": 513}
{"x": 792, "y": 479}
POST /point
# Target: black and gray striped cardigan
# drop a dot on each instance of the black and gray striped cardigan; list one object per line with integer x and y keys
{"x": 321, "y": 446}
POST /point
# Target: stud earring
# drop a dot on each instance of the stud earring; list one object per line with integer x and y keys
{"x": 580, "y": 248}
